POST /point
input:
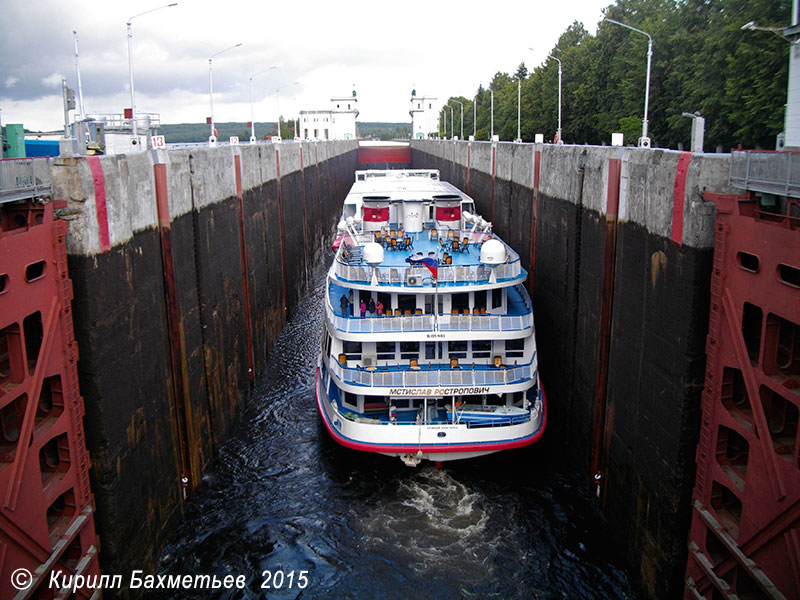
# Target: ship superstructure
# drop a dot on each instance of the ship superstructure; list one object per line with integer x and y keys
{"x": 428, "y": 350}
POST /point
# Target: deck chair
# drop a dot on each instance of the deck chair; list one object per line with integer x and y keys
{"x": 449, "y": 260}
{"x": 409, "y": 243}
{"x": 483, "y": 310}
{"x": 434, "y": 234}
{"x": 418, "y": 311}
{"x": 454, "y": 363}
{"x": 394, "y": 243}
{"x": 387, "y": 312}
{"x": 343, "y": 359}
{"x": 413, "y": 365}
{"x": 454, "y": 245}
{"x": 450, "y": 234}
{"x": 498, "y": 362}
{"x": 465, "y": 244}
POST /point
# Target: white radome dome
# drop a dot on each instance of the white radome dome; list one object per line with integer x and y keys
{"x": 493, "y": 252}
{"x": 373, "y": 253}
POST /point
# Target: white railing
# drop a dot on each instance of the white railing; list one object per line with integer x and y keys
{"x": 408, "y": 275}
{"x": 771, "y": 172}
{"x": 423, "y": 377}
{"x": 23, "y": 178}
{"x": 426, "y": 322}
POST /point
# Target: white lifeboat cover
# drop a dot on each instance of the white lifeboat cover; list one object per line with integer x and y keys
{"x": 493, "y": 252}
{"x": 373, "y": 253}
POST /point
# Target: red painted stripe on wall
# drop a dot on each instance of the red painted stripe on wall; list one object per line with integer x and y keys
{"x": 679, "y": 196}
{"x": 100, "y": 201}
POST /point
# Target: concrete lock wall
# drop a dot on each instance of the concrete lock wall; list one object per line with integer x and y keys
{"x": 172, "y": 253}
{"x": 621, "y": 246}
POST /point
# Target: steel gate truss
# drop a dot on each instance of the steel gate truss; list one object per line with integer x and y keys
{"x": 46, "y": 507}
{"x": 745, "y": 531}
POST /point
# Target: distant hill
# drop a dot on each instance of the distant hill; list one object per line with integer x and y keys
{"x": 199, "y": 132}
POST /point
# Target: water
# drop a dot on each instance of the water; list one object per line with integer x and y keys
{"x": 283, "y": 497}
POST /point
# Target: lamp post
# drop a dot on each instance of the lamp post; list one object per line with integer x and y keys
{"x": 462, "y": 118}
{"x": 452, "y": 131}
{"x": 212, "y": 138}
{"x": 558, "y": 133}
{"x": 519, "y": 109}
{"x": 130, "y": 66}
{"x": 491, "y": 128}
{"x": 277, "y": 102}
{"x": 252, "y": 114}
{"x": 475, "y": 116}
{"x": 644, "y": 141}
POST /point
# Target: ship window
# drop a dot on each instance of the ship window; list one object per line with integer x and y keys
{"x": 430, "y": 350}
{"x": 515, "y": 348}
{"x": 457, "y": 349}
{"x": 407, "y": 302}
{"x": 481, "y": 349}
{"x": 400, "y": 402}
{"x": 350, "y": 400}
{"x": 460, "y": 302}
{"x": 497, "y": 297}
{"x": 480, "y": 299}
{"x": 352, "y": 350}
{"x": 409, "y": 350}
{"x": 386, "y": 350}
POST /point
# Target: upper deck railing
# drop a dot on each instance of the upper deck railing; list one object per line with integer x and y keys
{"x": 419, "y": 276}
{"x": 771, "y": 172}
{"x": 464, "y": 376}
{"x": 24, "y": 178}
{"x": 427, "y": 322}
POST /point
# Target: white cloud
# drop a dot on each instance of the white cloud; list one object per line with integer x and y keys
{"x": 440, "y": 49}
{"x": 53, "y": 80}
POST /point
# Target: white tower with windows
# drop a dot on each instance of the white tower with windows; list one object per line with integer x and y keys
{"x": 424, "y": 116}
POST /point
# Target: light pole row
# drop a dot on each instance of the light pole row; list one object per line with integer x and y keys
{"x": 130, "y": 66}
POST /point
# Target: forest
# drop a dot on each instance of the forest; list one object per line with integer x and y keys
{"x": 703, "y": 61}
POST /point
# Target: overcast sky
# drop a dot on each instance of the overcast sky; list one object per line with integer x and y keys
{"x": 384, "y": 49}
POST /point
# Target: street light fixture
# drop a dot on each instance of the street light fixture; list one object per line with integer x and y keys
{"x": 452, "y": 131}
{"x": 491, "y": 128}
{"x": 751, "y": 25}
{"x": 252, "y": 114}
{"x": 558, "y": 133}
{"x": 519, "y": 109}
{"x": 644, "y": 141}
{"x": 462, "y": 118}
{"x": 212, "y": 138}
{"x": 130, "y": 67}
{"x": 475, "y": 116}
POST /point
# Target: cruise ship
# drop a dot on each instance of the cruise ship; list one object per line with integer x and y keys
{"x": 428, "y": 349}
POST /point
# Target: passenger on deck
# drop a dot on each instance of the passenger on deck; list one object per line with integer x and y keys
{"x": 363, "y": 308}
{"x": 379, "y": 308}
{"x": 345, "y": 305}
{"x": 371, "y": 306}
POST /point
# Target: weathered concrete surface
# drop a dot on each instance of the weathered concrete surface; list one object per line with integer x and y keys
{"x": 125, "y": 367}
{"x": 659, "y": 301}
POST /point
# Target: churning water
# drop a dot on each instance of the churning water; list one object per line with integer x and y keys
{"x": 297, "y": 516}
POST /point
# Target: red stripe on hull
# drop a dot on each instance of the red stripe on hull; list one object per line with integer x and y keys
{"x": 388, "y": 449}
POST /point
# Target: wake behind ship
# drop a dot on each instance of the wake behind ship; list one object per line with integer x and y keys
{"x": 428, "y": 350}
